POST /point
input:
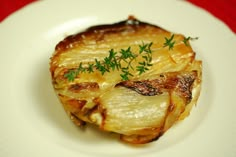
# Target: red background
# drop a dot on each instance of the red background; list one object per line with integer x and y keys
{"x": 225, "y": 10}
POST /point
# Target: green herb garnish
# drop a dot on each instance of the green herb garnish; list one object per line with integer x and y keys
{"x": 169, "y": 42}
{"x": 147, "y": 58}
{"x": 186, "y": 39}
{"x": 113, "y": 62}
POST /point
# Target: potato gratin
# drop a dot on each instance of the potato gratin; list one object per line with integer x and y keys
{"x": 131, "y": 78}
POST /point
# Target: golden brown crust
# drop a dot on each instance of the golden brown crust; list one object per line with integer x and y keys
{"x": 98, "y": 32}
{"x": 182, "y": 82}
{"x": 140, "y": 109}
{"x": 78, "y": 87}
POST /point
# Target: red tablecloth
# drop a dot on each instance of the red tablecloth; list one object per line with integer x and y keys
{"x": 222, "y": 9}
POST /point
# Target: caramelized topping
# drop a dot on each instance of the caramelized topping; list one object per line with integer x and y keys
{"x": 77, "y": 87}
{"x": 181, "y": 83}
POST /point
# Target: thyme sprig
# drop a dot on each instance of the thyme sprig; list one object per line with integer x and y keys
{"x": 114, "y": 62}
{"x": 169, "y": 42}
{"x": 186, "y": 39}
{"x": 147, "y": 58}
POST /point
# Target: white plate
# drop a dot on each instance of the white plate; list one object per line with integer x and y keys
{"x": 33, "y": 122}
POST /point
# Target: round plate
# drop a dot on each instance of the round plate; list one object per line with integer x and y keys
{"x": 33, "y": 122}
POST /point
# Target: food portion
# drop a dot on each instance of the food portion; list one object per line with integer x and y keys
{"x": 131, "y": 78}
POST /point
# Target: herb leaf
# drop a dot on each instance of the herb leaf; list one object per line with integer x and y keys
{"x": 70, "y": 75}
{"x": 186, "y": 39}
{"x": 169, "y": 42}
{"x": 113, "y": 62}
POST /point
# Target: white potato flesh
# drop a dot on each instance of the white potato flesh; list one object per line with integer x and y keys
{"x": 128, "y": 112}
